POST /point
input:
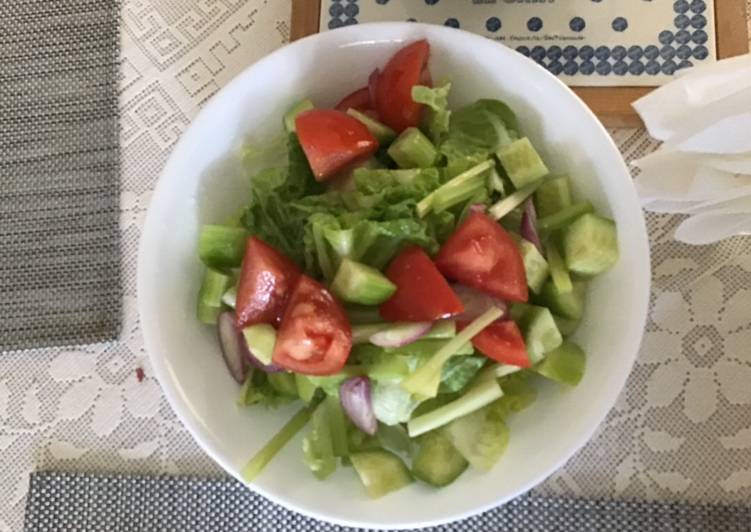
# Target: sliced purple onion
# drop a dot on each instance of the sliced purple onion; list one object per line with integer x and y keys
{"x": 399, "y": 334}
{"x": 357, "y": 401}
{"x": 476, "y": 303}
{"x": 234, "y": 349}
{"x": 372, "y": 86}
{"x": 477, "y": 208}
{"x": 267, "y": 368}
{"x": 528, "y": 228}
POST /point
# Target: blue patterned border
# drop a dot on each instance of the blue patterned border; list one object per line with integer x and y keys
{"x": 673, "y": 50}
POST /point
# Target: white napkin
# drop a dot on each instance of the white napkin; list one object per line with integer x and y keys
{"x": 703, "y": 168}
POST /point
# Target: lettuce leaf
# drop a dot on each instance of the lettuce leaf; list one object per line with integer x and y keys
{"x": 478, "y": 130}
{"x": 257, "y": 390}
{"x": 438, "y": 118}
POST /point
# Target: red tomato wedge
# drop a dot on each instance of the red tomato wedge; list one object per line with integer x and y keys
{"x": 360, "y": 100}
{"x": 332, "y": 140}
{"x": 315, "y": 337}
{"x": 266, "y": 280}
{"x": 422, "y": 294}
{"x": 503, "y": 342}
{"x": 407, "y": 68}
{"x": 482, "y": 255}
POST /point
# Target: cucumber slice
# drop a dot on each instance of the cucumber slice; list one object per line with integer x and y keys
{"x": 522, "y": 163}
{"x": 337, "y": 426}
{"x": 317, "y": 445}
{"x": 481, "y": 437}
{"x": 261, "y": 339}
{"x": 381, "y": 472}
{"x": 535, "y": 265}
{"x": 412, "y": 149}
{"x": 590, "y": 245}
{"x": 512, "y": 201}
{"x": 291, "y": 115}
{"x": 437, "y": 462}
{"x": 552, "y": 196}
{"x": 565, "y": 364}
{"x": 564, "y": 217}
{"x": 558, "y": 270}
{"x": 305, "y": 388}
{"x": 284, "y": 383}
{"x": 221, "y": 246}
{"x": 357, "y": 283}
{"x": 383, "y": 133}
{"x": 566, "y": 326}
{"x": 210, "y": 294}
{"x": 541, "y": 334}
{"x": 567, "y": 305}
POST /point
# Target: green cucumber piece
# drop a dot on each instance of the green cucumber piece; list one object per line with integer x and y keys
{"x": 357, "y": 283}
{"x": 337, "y": 426}
{"x": 590, "y": 245}
{"x": 221, "y": 246}
{"x": 383, "y": 133}
{"x": 441, "y": 330}
{"x": 284, "y": 383}
{"x": 565, "y": 364}
{"x": 541, "y": 334}
{"x": 503, "y": 207}
{"x": 522, "y": 163}
{"x": 305, "y": 388}
{"x": 261, "y": 339}
{"x": 566, "y": 326}
{"x": 564, "y": 217}
{"x": 480, "y": 437}
{"x": 437, "y": 462}
{"x": 318, "y": 446}
{"x": 567, "y": 305}
{"x": 381, "y": 472}
{"x": 535, "y": 265}
{"x": 558, "y": 270}
{"x": 552, "y": 196}
{"x": 213, "y": 286}
{"x": 291, "y": 115}
{"x": 412, "y": 149}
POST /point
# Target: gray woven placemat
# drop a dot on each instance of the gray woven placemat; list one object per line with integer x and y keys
{"x": 64, "y": 502}
{"x": 59, "y": 169}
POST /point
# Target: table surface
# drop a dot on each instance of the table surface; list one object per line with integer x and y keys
{"x": 681, "y": 429}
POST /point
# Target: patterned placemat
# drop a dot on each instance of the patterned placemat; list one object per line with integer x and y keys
{"x": 64, "y": 502}
{"x": 59, "y": 163}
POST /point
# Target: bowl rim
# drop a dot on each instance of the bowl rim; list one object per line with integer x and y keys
{"x": 168, "y": 382}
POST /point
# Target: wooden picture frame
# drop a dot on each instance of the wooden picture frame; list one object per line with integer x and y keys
{"x": 611, "y": 104}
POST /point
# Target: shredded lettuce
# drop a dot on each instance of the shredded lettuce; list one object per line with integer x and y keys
{"x": 438, "y": 118}
{"x": 258, "y": 390}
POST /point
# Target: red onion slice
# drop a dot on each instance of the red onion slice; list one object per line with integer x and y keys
{"x": 399, "y": 334}
{"x": 476, "y": 303}
{"x": 372, "y": 86}
{"x": 234, "y": 349}
{"x": 477, "y": 208}
{"x": 357, "y": 401}
{"x": 267, "y": 368}
{"x": 528, "y": 228}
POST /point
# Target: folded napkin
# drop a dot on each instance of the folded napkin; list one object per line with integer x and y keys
{"x": 703, "y": 169}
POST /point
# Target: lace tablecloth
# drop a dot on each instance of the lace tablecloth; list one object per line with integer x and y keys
{"x": 681, "y": 430}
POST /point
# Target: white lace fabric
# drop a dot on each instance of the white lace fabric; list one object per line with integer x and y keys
{"x": 681, "y": 429}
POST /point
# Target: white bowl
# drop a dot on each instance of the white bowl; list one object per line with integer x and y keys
{"x": 203, "y": 182}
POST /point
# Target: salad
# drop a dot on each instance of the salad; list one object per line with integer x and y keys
{"x": 407, "y": 278}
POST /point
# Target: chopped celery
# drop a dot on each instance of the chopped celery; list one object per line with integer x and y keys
{"x": 220, "y": 246}
{"x": 261, "y": 459}
{"x": 480, "y": 437}
{"x": 446, "y": 198}
{"x": 284, "y": 383}
{"x": 291, "y": 115}
{"x": 381, "y": 472}
{"x": 337, "y": 425}
{"x": 437, "y": 462}
{"x": 564, "y": 217}
{"x": 501, "y": 370}
{"x": 212, "y": 289}
{"x": 504, "y": 206}
{"x": 306, "y": 390}
{"x": 425, "y": 205}
{"x": 318, "y": 446}
{"x": 564, "y": 364}
{"x": 358, "y": 283}
{"x": 522, "y": 163}
{"x": 425, "y": 381}
{"x": 261, "y": 339}
{"x": 383, "y": 133}
{"x": 535, "y": 265}
{"x": 412, "y": 149}
{"x": 484, "y": 393}
{"x": 558, "y": 271}
{"x": 441, "y": 330}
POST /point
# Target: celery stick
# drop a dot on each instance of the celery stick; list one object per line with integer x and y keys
{"x": 564, "y": 217}
{"x": 447, "y": 198}
{"x": 426, "y": 204}
{"x": 424, "y": 382}
{"x": 361, "y": 333}
{"x": 318, "y": 446}
{"x": 305, "y": 388}
{"x": 482, "y": 394}
{"x": 558, "y": 271}
{"x": 502, "y": 207}
{"x": 338, "y": 426}
{"x": 261, "y": 459}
